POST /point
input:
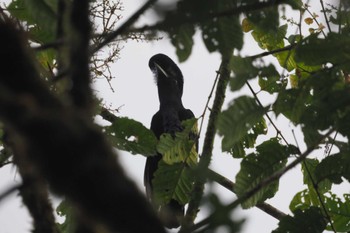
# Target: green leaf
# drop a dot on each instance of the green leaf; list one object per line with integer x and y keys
{"x": 239, "y": 120}
{"x": 286, "y": 59}
{"x": 269, "y": 158}
{"x": 18, "y": 9}
{"x": 271, "y": 81}
{"x": 243, "y": 70}
{"x": 174, "y": 177}
{"x": 333, "y": 49}
{"x": 292, "y": 104}
{"x": 248, "y": 141}
{"x": 39, "y": 14}
{"x": 307, "y": 221}
{"x": 308, "y": 167}
{"x": 173, "y": 182}
{"x": 337, "y": 209}
{"x": 300, "y": 201}
{"x": 180, "y": 148}
{"x": 222, "y": 34}
{"x": 265, "y": 20}
{"x": 270, "y": 40}
{"x": 182, "y": 39}
{"x": 222, "y": 217}
{"x": 130, "y": 135}
{"x": 43, "y": 13}
{"x": 333, "y": 168}
{"x": 65, "y": 209}
{"x": 295, "y": 4}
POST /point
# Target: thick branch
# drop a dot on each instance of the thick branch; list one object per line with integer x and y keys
{"x": 64, "y": 146}
{"x": 35, "y": 196}
{"x": 81, "y": 92}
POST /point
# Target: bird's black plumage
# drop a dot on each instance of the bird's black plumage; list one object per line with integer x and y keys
{"x": 168, "y": 119}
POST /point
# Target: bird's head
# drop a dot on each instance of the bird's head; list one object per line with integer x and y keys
{"x": 167, "y": 73}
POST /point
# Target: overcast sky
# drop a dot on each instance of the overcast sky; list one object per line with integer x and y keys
{"x": 136, "y": 94}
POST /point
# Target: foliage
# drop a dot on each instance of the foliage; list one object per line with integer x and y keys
{"x": 130, "y": 135}
{"x": 269, "y": 158}
{"x": 309, "y": 220}
{"x": 306, "y": 73}
{"x": 174, "y": 178}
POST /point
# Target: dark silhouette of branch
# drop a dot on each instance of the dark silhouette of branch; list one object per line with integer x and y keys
{"x": 205, "y": 158}
{"x": 228, "y": 184}
{"x": 325, "y": 16}
{"x": 64, "y": 146}
{"x": 122, "y": 29}
{"x": 264, "y": 54}
{"x": 35, "y": 196}
{"x": 207, "y": 103}
{"x": 315, "y": 19}
{"x": 78, "y": 40}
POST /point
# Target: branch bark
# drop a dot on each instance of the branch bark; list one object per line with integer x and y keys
{"x": 193, "y": 206}
{"x": 79, "y": 39}
{"x": 64, "y": 146}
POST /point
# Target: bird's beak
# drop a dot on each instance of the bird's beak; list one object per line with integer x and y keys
{"x": 161, "y": 70}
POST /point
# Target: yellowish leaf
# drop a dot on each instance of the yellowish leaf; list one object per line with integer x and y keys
{"x": 308, "y": 21}
{"x": 246, "y": 25}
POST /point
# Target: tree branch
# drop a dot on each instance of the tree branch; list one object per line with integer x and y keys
{"x": 121, "y": 30}
{"x": 79, "y": 39}
{"x": 325, "y": 16}
{"x": 263, "y": 183}
{"x": 205, "y": 158}
{"x": 64, "y": 146}
{"x": 228, "y": 184}
{"x": 264, "y": 54}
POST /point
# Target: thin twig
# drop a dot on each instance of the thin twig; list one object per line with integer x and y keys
{"x": 319, "y": 197}
{"x": 314, "y": 18}
{"x": 264, "y": 54}
{"x": 110, "y": 37}
{"x": 330, "y": 149}
{"x": 268, "y": 117}
{"x": 207, "y": 104}
{"x": 325, "y": 16}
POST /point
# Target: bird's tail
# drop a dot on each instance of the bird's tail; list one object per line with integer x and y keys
{"x": 172, "y": 214}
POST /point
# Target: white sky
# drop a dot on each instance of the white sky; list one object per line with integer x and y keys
{"x": 136, "y": 92}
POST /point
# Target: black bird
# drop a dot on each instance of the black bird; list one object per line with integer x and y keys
{"x": 168, "y": 119}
